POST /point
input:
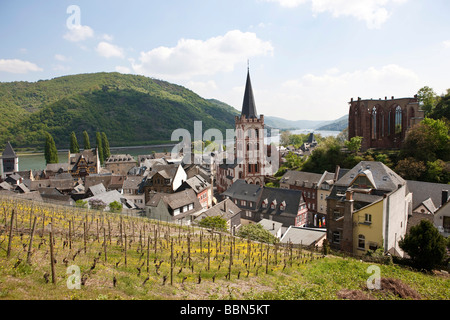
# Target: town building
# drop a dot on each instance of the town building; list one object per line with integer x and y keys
{"x": 119, "y": 164}
{"x": 201, "y": 188}
{"x": 164, "y": 178}
{"x": 368, "y": 208}
{"x": 84, "y": 163}
{"x": 383, "y": 123}
{"x": 259, "y": 202}
{"x": 180, "y": 207}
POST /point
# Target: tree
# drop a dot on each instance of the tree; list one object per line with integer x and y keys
{"x": 284, "y": 138}
{"x": 50, "y": 152}
{"x": 99, "y": 147}
{"x": 354, "y": 144}
{"x": 115, "y": 206}
{"x": 428, "y": 141}
{"x": 86, "y": 142}
{"x": 425, "y": 245}
{"x": 410, "y": 168}
{"x": 216, "y": 223}
{"x": 74, "y": 148}
{"x": 105, "y": 145}
{"x": 428, "y": 99}
{"x": 442, "y": 109}
{"x": 256, "y": 232}
{"x": 97, "y": 204}
{"x": 81, "y": 203}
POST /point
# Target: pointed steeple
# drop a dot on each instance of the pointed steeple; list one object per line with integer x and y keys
{"x": 9, "y": 151}
{"x": 248, "y": 106}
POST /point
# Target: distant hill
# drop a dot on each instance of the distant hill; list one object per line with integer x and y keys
{"x": 280, "y": 123}
{"x": 336, "y": 125}
{"x": 130, "y": 109}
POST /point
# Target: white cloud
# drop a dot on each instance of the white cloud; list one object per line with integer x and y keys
{"x": 191, "y": 57}
{"x": 61, "y": 57}
{"x": 109, "y": 50}
{"x": 204, "y": 89}
{"x": 78, "y": 33}
{"x": 18, "y": 66}
{"x": 373, "y": 12}
{"x": 325, "y": 97}
{"x": 446, "y": 43}
{"x": 123, "y": 69}
{"x": 107, "y": 37}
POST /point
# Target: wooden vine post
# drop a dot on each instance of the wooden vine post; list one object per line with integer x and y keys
{"x": 8, "y": 252}
{"x": 171, "y": 261}
{"x": 30, "y": 245}
{"x": 52, "y": 258}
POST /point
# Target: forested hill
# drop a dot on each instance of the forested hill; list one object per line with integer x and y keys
{"x": 130, "y": 109}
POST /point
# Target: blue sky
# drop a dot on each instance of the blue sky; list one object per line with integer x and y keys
{"x": 308, "y": 58}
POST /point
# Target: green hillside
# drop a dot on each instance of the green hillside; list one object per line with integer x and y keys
{"x": 130, "y": 109}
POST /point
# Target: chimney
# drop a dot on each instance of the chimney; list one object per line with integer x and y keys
{"x": 225, "y": 206}
{"x": 444, "y": 197}
{"x": 349, "y": 195}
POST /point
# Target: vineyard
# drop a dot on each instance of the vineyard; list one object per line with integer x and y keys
{"x": 56, "y": 252}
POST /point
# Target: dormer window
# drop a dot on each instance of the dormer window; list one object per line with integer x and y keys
{"x": 283, "y": 206}
{"x": 273, "y": 205}
{"x": 265, "y": 203}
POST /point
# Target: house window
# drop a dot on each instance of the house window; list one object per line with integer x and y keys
{"x": 176, "y": 211}
{"x": 191, "y": 206}
{"x": 361, "y": 242}
{"x": 368, "y": 218}
{"x": 336, "y": 237}
{"x": 243, "y": 203}
{"x": 248, "y": 214}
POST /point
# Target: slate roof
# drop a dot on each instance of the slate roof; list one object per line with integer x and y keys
{"x": 132, "y": 182}
{"x": 197, "y": 183}
{"x": 111, "y": 196}
{"x": 384, "y": 178}
{"x": 301, "y": 178}
{"x": 271, "y": 226}
{"x": 9, "y": 151}
{"x": 97, "y": 189}
{"x": 219, "y": 210}
{"x": 421, "y": 191}
{"x": 289, "y": 198}
{"x": 241, "y": 190}
{"x": 120, "y": 158}
{"x": 304, "y": 236}
{"x": 248, "y": 105}
{"x": 177, "y": 200}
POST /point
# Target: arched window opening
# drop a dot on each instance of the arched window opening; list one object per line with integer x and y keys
{"x": 374, "y": 123}
{"x": 398, "y": 119}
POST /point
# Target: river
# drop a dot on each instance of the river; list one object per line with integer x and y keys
{"x": 37, "y": 161}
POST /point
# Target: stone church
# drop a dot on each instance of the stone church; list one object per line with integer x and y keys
{"x": 383, "y": 123}
{"x": 250, "y": 162}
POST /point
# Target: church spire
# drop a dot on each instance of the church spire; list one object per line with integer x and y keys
{"x": 248, "y": 106}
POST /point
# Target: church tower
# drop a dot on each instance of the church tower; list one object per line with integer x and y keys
{"x": 250, "y": 139}
{"x": 9, "y": 161}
